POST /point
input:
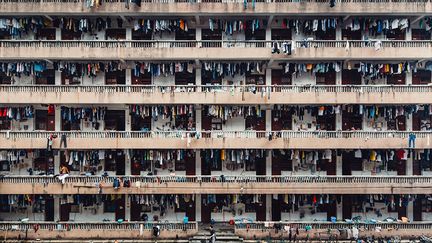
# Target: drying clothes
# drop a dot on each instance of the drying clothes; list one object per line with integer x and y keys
{"x": 17, "y": 27}
{"x": 299, "y": 68}
{"x": 227, "y": 112}
{"x": 17, "y": 113}
{"x": 22, "y": 68}
{"x": 82, "y": 25}
{"x": 162, "y": 111}
{"x": 219, "y": 69}
{"x": 155, "y": 26}
{"x": 374, "y": 27}
{"x": 310, "y": 26}
{"x": 93, "y": 114}
{"x": 378, "y": 71}
{"x": 143, "y": 158}
{"x": 161, "y": 69}
{"x": 232, "y": 26}
{"x": 91, "y": 69}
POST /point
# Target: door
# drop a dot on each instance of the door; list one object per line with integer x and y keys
{"x": 396, "y": 79}
{"x": 331, "y": 210}
{"x": 191, "y": 210}
{"x": 346, "y": 163}
{"x": 190, "y": 165}
{"x": 120, "y": 163}
{"x": 351, "y": 77}
{"x": 65, "y": 211}
{"x": 260, "y": 209}
{"x": 402, "y": 211}
{"x": 418, "y": 211}
{"x": 135, "y": 211}
{"x": 351, "y": 120}
{"x": 421, "y": 77}
{"x": 346, "y": 206}
{"x": 327, "y": 122}
{"x": 331, "y": 166}
{"x": 416, "y": 167}
{"x": 328, "y": 78}
{"x": 120, "y": 211}
{"x": 276, "y": 208}
{"x": 205, "y": 210}
{"x": 260, "y": 166}
{"x": 49, "y": 208}
{"x": 401, "y": 167}
{"x": 279, "y": 77}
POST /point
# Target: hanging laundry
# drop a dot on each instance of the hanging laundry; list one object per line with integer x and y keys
{"x": 17, "y": 113}
{"x": 162, "y": 111}
{"x": 22, "y": 68}
{"x": 219, "y": 69}
{"x": 228, "y": 112}
{"x": 93, "y": 114}
{"x": 299, "y": 68}
{"x": 158, "y": 25}
{"x": 162, "y": 69}
{"x": 91, "y": 69}
{"x": 233, "y": 26}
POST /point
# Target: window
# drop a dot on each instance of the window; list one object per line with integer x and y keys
{"x": 420, "y": 34}
{"x": 115, "y": 34}
{"x": 115, "y": 77}
{"x": 281, "y": 34}
{"x": 421, "y": 77}
{"x": 4, "y": 165}
{"x": 46, "y": 34}
{"x": 5, "y": 123}
{"x": 46, "y": 77}
{"x": 110, "y": 161}
{"x": 426, "y": 205}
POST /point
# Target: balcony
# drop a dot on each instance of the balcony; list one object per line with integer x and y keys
{"x": 217, "y": 185}
{"x": 223, "y": 94}
{"x": 212, "y": 7}
{"x": 211, "y": 50}
{"x": 216, "y": 139}
{"x": 324, "y": 230}
{"x": 93, "y": 230}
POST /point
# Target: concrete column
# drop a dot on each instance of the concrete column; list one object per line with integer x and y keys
{"x": 268, "y": 80}
{"x": 338, "y": 119}
{"x": 198, "y": 34}
{"x": 410, "y": 210}
{"x": 198, "y": 80}
{"x": 339, "y": 78}
{"x": 338, "y": 165}
{"x": 128, "y": 120}
{"x": 269, "y": 200}
{"x": 198, "y": 118}
{"x": 57, "y": 78}
{"x": 339, "y": 208}
{"x": 128, "y": 163}
{"x": 409, "y": 123}
{"x": 409, "y": 165}
{"x": 57, "y": 118}
{"x": 58, "y": 34}
{"x": 408, "y": 78}
{"x": 57, "y": 163}
{"x": 268, "y": 33}
{"x": 198, "y": 162}
{"x": 408, "y": 35}
{"x": 127, "y": 208}
{"x": 56, "y": 207}
{"x": 128, "y": 76}
{"x": 338, "y": 33}
{"x": 198, "y": 207}
{"x": 269, "y": 163}
{"x": 128, "y": 34}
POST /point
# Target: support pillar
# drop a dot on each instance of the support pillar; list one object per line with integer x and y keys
{"x": 56, "y": 208}
{"x": 198, "y": 207}
{"x": 127, "y": 208}
{"x": 269, "y": 201}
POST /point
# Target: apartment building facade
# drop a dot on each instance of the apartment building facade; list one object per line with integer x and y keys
{"x": 279, "y": 117}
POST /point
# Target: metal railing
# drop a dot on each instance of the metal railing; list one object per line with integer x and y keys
{"x": 242, "y": 179}
{"x": 178, "y": 226}
{"x": 217, "y": 1}
{"x": 216, "y": 134}
{"x": 216, "y": 88}
{"x": 113, "y": 44}
{"x": 425, "y": 225}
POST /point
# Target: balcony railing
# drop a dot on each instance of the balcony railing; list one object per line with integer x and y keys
{"x": 177, "y": 226}
{"x": 217, "y": 184}
{"x": 242, "y": 179}
{"x": 425, "y": 225}
{"x": 211, "y": 49}
{"x": 218, "y": 134}
{"x": 215, "y": 88}
{"x": 114, "y": 44}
